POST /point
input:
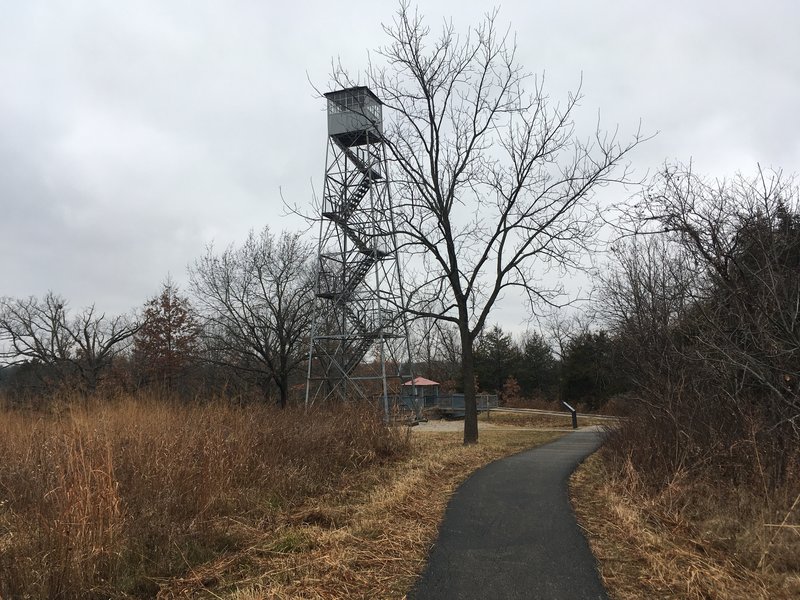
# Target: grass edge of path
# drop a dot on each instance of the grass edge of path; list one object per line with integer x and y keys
{"x": 642, "y": 553}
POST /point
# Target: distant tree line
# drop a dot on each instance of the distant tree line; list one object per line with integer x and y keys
{"x": 582, "y": 369}
{"x": 53, "y": 348}
{"x": 241, "y": 330}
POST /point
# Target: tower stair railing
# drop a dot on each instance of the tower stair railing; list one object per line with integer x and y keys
{"x": 357, "y": 275}
{"x": 367, "y": 170}
{"x": 356, "y": 237}
{"x": 357, "y": 353}
{"x": 355, "y": 272}
{"x": 347, "y": 206}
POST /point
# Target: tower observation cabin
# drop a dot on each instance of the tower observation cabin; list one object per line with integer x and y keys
{"x": 355, "y": 116}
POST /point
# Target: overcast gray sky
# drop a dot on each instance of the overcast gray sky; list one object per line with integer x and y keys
{"x": 134, "y": 133}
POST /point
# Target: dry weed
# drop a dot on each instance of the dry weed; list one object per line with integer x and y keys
{"x": 368, "y": 539}
{"x": 685, "y": 543}
{"x": 140, "y": 498}
{"x": 118, "y": 498}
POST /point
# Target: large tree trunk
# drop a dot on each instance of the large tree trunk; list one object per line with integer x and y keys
{"x": 90, "y": 379}
{"x": 468, "y": 372}
{"x": 283, "y": 386}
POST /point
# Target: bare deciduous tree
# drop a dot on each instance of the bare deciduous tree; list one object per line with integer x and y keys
{"x": 437, "y": 351}
{"x": 742, "y": 239}
{"x": 492, "y": 186}
{"x": 41, "y": 331}
{"x": 645, "y": 295}
{"x": 257, "y": 300}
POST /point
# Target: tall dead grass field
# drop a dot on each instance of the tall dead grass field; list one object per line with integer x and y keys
{"x": 694, "y": 540}
{"x": 139, "y": 498}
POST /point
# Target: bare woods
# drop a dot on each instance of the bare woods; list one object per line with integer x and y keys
{"x": 240, "y": 331}
{"x": 704, "y": 303}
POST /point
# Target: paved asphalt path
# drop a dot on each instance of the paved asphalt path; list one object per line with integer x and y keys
{"x": 509, "y": 532}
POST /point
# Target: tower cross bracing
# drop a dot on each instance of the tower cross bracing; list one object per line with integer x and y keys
{"x": 359, "y": 340}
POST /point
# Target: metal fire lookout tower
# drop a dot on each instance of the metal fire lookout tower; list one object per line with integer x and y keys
{"x": 359, "y": 341}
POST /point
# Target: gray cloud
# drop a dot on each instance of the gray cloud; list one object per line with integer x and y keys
{"x": 132, "y": 134}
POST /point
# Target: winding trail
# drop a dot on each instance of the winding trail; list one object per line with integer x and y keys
{"x": 509, "y": 532}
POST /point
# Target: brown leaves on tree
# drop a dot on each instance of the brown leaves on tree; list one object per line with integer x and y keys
{"x": 168, "y": 340}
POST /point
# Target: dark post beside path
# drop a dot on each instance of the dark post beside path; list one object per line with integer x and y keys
{"x": 574, "y": 414}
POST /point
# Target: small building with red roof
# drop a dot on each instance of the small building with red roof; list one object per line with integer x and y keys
{"x": 424, "y": 391}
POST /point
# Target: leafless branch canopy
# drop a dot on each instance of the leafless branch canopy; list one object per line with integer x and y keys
{"x": 40, "y": 331}
{"x": 492, "y": 185}
{"x": 709, "y": 294}
{"x": 256, "y": 301}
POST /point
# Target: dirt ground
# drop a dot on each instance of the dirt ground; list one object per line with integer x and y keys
{"x": 441, "y": 425}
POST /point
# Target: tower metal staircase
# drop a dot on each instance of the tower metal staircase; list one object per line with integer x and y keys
{"x": 358, "y": 279}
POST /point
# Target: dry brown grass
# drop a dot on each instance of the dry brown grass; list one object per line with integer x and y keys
{"x": 368, "y": 539}
{"x": 149, "y": 499}
{"x": 115, "y": 500}
{"x": 690, "y": 541}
